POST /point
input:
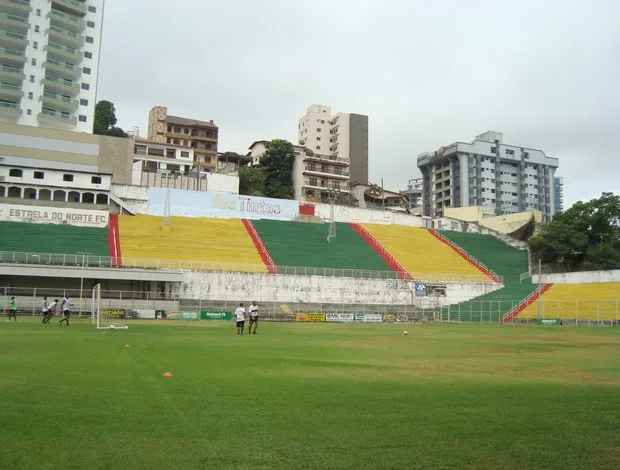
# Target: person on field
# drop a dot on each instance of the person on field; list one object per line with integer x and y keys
{"x": 13, "y": 309}
{"x": 240, "y": 318}
{"x": 51, "y": 311}
{"x": 253, "y": 317}
{"x": 44, "y": 310}
{"x": 66, "y": 310}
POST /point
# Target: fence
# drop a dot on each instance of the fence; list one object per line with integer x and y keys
{"x": 91, "y": 261}
{"x": 580, "y": 312}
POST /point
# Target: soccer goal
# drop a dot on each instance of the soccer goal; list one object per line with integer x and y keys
{"x": 104, "y": 319}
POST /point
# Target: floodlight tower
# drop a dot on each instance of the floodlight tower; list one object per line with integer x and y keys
{"x": 332, "y": 197}
{"x": 166, "y": 221}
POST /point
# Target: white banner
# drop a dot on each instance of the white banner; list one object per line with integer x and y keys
{"x": 145, "y": 314}
{"x": 339, "y": 317}
{"x": 368, "y": 317}
{"x": 53, "y": 215}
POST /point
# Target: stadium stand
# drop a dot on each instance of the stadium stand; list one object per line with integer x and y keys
{"x": 304, "y": 244}
{"x": 189, "y": 241}
{"x": 504, "y": 260}
{"x": 422, "y": 254}
{"x": 53, "y": 239}
{"x": 577, "y": 302}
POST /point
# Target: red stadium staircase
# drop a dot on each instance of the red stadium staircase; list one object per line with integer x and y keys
{"x": 114, "y": 240}
{"x": 260, "y": 247}
{"x": 533, "y": 297}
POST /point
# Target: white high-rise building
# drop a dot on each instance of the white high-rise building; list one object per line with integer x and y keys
{"x": 49, "y": 62}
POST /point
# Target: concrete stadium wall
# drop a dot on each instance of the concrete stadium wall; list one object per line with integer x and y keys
{"x": 317, "y": 289}
{"x": 367, "y": 216}
{"x": 135, "y": 197}
{"x": 582, "y": 277}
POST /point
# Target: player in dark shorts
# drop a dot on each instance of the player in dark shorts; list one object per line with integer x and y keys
{"x": 240, "y": 318}
{"x": 66, "y": 310}
{"x": 253, "y": 309}
{"x": 13, "y": 309}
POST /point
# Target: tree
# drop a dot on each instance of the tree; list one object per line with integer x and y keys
{"x": 584, "y": 237}
{"x": 251, "y": 180}
{"x": 105, "y": 120}
{"x": 278, "y": 161}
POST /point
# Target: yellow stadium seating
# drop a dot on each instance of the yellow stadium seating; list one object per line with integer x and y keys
{"x": 188, "y": 242}
{"x": 420, "y": 253}
{"x": 578, "y": 302}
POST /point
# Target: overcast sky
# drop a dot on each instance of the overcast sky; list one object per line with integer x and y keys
{"x": 427, "y": 73}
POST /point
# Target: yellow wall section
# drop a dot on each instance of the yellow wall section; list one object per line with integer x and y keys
{"x": 188, "y": 239}
{"x": 583, "y": 301}
{"x": 419, "y": 252}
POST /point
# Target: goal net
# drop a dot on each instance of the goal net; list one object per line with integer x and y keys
{"x": 104, "y": 319}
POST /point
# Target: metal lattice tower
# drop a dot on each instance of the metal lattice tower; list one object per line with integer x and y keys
{"x": 333, "y": 195}
{"x": 166, "y": 221}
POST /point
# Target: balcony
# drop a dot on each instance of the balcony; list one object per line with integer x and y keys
{"x": 13, "y": 40}
{"x": 62, "y": 69}
{"x": 10, "y": 92}
{"x": 12, "y": 57}
{"x": 327, "y": 158}
{"x": 10, "y": 110}
{"x": 59, "y": 52}
{"x": 15, "y": 7}
{"x": 58, "y": 118}
{"x": 54, "y": 101}
{"x": 203, "y": 136}
{"x": 66, "y": 21}
{"x": 62, "y": 36}
{"x": 12, "y": 75}
{"x": 57, "y": 85}
{"x": 70, "y": 6}
{"x": 344, "y": 175}
{"x": 13, "y": 23}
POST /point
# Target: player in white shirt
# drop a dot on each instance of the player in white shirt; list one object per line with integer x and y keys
{"x": 240, "y": 318}
{"x": 253, "y": 317}
{"x": 51, "y": 311}
{"x": 44, "y": 309}
{"x": 66, "y": 310}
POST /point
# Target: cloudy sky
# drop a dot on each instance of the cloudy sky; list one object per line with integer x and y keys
{"x": 427, "y": 73}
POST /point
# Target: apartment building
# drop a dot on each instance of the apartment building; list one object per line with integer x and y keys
{"x": 413, "y": 193}
{"x": 488, "y": 173}
{"x": 558, "y": 183}
{"x": 201, "y": 136}
{"x": 341, "y": 138}
{"x": 49, "y": 62}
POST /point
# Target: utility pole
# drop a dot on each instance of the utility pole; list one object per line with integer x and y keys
{"x": 333, "y": 195}
{"x": 166, "y": 221}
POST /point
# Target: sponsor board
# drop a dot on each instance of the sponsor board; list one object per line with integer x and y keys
{"x": 53, "y": 215}
{"x": 389, "y": 317}
{"x": 145, "y": 314}
{"x": 222, "y": 205}
{"x": 549, "y": 321}
{"x": 339, "y": 317}
{"x": 420, "y": 289}
{"x": 115, "y": 313}
{"x": 310, "y": 317}
{"x": 209, "y": 315}
{"x": 368, "y": 317}
{"x": 184, "y": 316}
{"x": 430, "y": 289}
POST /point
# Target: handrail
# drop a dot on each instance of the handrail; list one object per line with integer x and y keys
{"x": 524, "y": 276}
{"x": 92, "y": 261}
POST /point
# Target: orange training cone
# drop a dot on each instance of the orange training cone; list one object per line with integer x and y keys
{"x": 167, "y": 374}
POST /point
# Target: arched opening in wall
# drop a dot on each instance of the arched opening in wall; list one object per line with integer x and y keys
{"x": 30, "y": 193}
{"x": 102, "y": 198}
{"x": 74, "y": 196}
{"x": 2, "y": 191}
{"x": 16, "y": 192}
{"x": 60, "y": 195}
{"x": 88, "y": 198}
{"x": 45, "y": 195}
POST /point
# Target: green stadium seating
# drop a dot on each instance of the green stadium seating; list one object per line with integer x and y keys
{"x": 506, "y": 261}
{"x": 304, "y": 245}
{"x": 53, "y": 240}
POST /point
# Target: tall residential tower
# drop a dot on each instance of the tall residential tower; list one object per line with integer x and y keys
{"x": 49, "y": 61}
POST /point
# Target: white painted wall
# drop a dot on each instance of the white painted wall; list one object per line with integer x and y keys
{"x": 358, "y": 215}
{"x": 54, "y": 178}
{"x": 134, "y": 197}
{"x": 317, "y": 289}
{"x": 53, "y": 215}
{"x": 582, "y": 277}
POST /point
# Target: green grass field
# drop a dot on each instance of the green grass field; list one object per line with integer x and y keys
{"x": 308, "y": 396}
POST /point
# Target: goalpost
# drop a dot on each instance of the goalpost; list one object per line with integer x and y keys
{"x": 103, "y": 320}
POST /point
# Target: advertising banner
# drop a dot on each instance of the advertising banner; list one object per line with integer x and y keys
{"x": 430, "y": 289}
{"x": 209, "y": 315}
{"x": 549, "y": 321}
{"x": 145, "y": 314}
{"x": 53, "y": 215}
{"x": 310, "y": 317}
{"x": 368, "y": 317}
{"x": 389, "y": 317}
{"x": 420, "y": 289}
{"x": 222, "y": 205}
{"x": 339, "y": 317}
{"x": 184, "y": 316}
{"x": 115, "y": 313}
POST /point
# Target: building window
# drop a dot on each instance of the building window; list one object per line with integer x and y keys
{"x": 88, "y": 55}
{"x": 318, "y": 147}
{"x": 510, "y": 152}
{"x": 15, "y": 173}
{"x": 90, "y": 39}
{"x": 86, "y": 70}
{"x": 92, "y": 9}
{"x": 31, "y": 78}
{"x": 338, "y": 170}
{"x": 185, "y": 130}
{"x": 38, "y": 12}
{"x": 322, "y": 121}
{"x": 29, "y": 112}
{"x": 176, "y": 142}
{"x": 36, "y": 29}
{"x": 35, "y": 45}
{"x": 30, "y": 95}
{"x": 85, "y": 86}
{"x": 313, "y": 182}
{"x": 82, "y": 118}
{"x": 493, "y": 149}
{"x": 311, "y": 166}
{"x": 336, "y": 184}
{"x": 185, "y": 143}
{"x": 177, "y": 130}
{"x": 318, "y": 129}
{"x": 90, "y": 24}
{"x": 184, "y": 154}
{"x": 83, "y": 102}
{"x": 318, "y": 138}
{"x": 38, "y": 175}
{"x": 168, "y": 140}
{"x": 96, "y": 180}
{"x": 33, "y": 61}
{"x": 67, "y": 177}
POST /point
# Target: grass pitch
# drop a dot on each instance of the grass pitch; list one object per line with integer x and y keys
{"x": 308, "y": 396}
